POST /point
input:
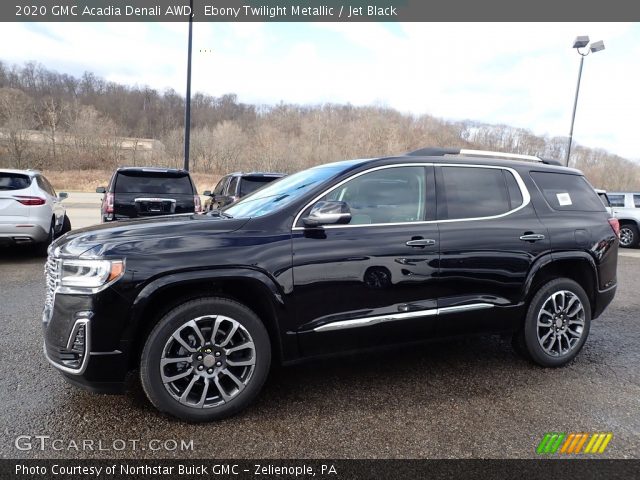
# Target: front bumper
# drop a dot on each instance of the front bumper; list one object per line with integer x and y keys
{"x": 82, "y": 339}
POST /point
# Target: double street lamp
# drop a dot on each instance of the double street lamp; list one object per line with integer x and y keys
{"x": 580, "y": 43}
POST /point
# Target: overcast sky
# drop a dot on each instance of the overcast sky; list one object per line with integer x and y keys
{"x": 519, "y": 74}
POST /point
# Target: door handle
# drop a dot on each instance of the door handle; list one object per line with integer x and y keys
{"x": 532, "y": 237}
{"x": 421, "y": 242}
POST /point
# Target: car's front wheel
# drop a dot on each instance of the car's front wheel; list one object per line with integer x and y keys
{"x": 557, "y": 323}
{"x": 205, "y": 360}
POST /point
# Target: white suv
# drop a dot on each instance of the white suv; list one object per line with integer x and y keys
{"x": 30, "y": 210}
{"x": 625, "y": 207}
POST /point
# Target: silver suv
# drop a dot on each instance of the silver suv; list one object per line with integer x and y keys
{"x": 30, "y": 210}
{"x": 625, "y": 206}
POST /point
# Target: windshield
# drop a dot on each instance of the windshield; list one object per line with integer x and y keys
{"x": 282, "y": 192}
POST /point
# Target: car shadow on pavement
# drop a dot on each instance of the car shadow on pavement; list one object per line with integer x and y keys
{"x": 19, "y": 254}
{"x": 426, "y": 371}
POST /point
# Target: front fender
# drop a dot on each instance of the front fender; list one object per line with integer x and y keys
{"x": 153, "y": 290}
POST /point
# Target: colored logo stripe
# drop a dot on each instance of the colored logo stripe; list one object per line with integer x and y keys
{"x": 573, "y": 443}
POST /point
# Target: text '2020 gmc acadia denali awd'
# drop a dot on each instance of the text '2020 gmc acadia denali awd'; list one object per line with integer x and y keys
{"x": 339, "y": 257}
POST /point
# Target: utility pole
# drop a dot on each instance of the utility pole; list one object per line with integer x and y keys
{"x": 187, "y": 109}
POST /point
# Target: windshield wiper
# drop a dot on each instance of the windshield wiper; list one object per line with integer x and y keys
{"x": 219, "y": 213}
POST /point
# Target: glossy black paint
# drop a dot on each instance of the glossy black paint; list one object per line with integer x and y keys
{"x": 304, "y": 278}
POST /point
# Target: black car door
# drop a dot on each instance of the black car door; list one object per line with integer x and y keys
{"x": 490, "y": 236}
{"x": 372, "y": 281}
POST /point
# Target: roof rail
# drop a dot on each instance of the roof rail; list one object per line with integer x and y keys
{"x": 437, "y": 151}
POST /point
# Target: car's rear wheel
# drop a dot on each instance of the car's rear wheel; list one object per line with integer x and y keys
{"x": 557, "y": 323}
{"x": 66, "y": 226}
{"x": 629, "y": 236}
{"x": 205, "y": 360}
{"x": 41, "y": 248}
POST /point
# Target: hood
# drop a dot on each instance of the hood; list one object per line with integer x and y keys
{"x": 104, "y": 239}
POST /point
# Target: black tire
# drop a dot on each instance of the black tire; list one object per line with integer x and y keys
{"x": 629, "y": 236}
{"x": 66, "y": 226}
{"x": 161, "y": 335}
{"x": 530, "y": 338}
{"x": 41, "y": 248}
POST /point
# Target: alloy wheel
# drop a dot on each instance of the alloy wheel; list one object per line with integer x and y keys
{"x": 560, "y": 323}
{"x": 208, "y": 361}
{"x": 626, "y": 236}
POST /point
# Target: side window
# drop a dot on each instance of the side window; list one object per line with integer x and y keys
{"x": 49, "y": 187}
{"x": 567, "y": 192}
{"x": 604, "y": 199}
{"x": 220, "y": 186}
{"x": 44, "y": 185}
{"x": 471, "y": 192}
{"x": 515, "y": 194}
{"x": 636, "y": 201}
{"x": 233, "y": 186}
{"x": 616, "y": 200}
{"x": 389, "y": 195}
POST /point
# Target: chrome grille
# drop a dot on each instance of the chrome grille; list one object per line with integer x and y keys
{"x": 52, "y": 282}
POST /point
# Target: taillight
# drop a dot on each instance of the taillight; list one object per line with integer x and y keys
{"x": 107, "y": 205}
{"x": 196, "y": 201}
{"x": 615, "y": 226}
{"x": 30, "y": 201}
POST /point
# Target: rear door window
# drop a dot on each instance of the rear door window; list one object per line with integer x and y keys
{"x": 567, "y": 192}
{"x": 14, "y": 181}
{"x": 153, "y": 182}
{"x": 636, "y": 201}
{"x": 470, "y": 192}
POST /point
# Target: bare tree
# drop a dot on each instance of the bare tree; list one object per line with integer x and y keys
{"x": 16, "y": 119}
{"x": 49, "y": 113}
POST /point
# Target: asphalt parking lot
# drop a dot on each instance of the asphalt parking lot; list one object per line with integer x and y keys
{"x": 463, "y": 398}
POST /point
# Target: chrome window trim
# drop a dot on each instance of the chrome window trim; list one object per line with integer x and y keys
{"x": 368, "y": 321}
{"x": 526, "y": 197}
{"x": 87, "y": 350}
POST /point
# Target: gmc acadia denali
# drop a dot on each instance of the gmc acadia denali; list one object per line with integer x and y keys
{"x": 340, "y": 257}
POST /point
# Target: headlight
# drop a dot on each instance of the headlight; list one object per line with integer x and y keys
{"x": 90, "y": 274}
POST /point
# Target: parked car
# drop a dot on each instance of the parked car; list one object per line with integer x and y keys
{"x": 336, "y": 258}
{"x": 30, "y": 210}
{"x": 234, "y": 186}
{"x": 137, "y": 192}
{"x": 625, "y": 207}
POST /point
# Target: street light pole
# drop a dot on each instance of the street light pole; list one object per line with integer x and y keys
{"x": 578, "y": 43}
{"x": 187, "y": 108}
{"x": 575, "y": 105}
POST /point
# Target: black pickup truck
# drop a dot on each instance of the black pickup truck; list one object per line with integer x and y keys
{"x": 135, "y": 192}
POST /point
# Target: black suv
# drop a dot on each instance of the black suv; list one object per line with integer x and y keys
{"x": 234, "y": 186}
{"x": 336, "y": 258}
{"x": 135, "y": 192}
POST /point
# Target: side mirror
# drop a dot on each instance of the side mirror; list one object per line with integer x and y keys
{"x": 101, "y": 190}
{"x": 207, "y": 193}
{"x": 63, "y": 195}
{"x": 331, "y": 212}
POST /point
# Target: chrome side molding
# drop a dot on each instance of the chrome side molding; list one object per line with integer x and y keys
{"x": 368, "y": 321}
